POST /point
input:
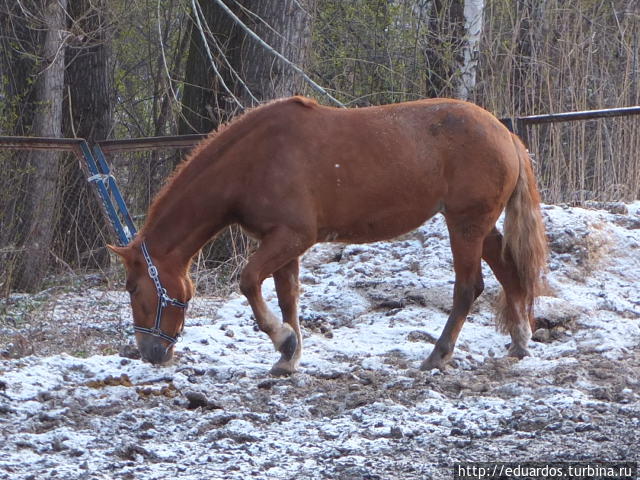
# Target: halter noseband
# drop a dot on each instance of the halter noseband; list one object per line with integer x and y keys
{"x": 164, "y": 300}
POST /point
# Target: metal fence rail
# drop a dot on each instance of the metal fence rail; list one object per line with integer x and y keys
{"x": 150, "y": 143}
{"x": 97, "y": 171}
{"x": 586, "y": 155}
{"x": 518, "y": 124}
{"x": 39, "y": 143}
{"x": 573, "y": 116}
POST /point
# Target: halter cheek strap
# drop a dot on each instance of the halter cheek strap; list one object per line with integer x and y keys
{"x": 164, "y": 300}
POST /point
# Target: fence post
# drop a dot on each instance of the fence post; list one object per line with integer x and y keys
{"x": 129, "y": 227}
{"x": 100, "y": 181}
{"x": 522, "y": 131}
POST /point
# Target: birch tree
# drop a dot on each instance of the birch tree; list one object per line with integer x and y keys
{"x": 473, "y": 22}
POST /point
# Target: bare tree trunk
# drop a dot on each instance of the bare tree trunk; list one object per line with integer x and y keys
{"x": 443, "y": 52}
{"x": 43, "y": 198}
{"x": 17, "y": 67}
{"x": 286, "y": 26}
{"x": 17, "y": 108}
{"x": 201, "y": 101}
{"x": 248, "y": 70}
{"x": 88, "y": 114}
{"x": 473, "y": 13}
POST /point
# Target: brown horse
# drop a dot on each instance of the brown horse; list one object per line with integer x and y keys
{"x": 293, "y": 173}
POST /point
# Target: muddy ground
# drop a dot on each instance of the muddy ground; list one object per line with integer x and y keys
{"x": 77, "y": 403}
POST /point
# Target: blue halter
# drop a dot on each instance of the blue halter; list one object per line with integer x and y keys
{"x": 164, "y": 301}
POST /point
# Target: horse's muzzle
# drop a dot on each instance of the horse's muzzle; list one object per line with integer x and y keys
{"x": 154, "y": 351}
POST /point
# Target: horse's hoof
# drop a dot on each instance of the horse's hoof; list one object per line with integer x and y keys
{"x": 288, "y": 347}
{"x": 282, "y": 368}
{"x": 433, "y": 362}
{"x": 518, "y": 352}
{"x": 439, "y": 358}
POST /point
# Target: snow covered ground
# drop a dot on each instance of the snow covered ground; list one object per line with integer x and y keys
{"x": 71, "y": 407}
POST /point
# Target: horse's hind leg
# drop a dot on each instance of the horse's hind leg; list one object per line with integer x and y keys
{"x": 288, "y": 290}
{"x": 466, "y": 246}
{"x": 512, "y": 315}
{"x": 479, "y": 286}
{"x": 277, "y": 249}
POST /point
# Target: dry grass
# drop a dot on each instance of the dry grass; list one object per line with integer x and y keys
{"x": 217, "y": 267}
{"x": 49, "y": 323}
{"x": 556, "y": 56}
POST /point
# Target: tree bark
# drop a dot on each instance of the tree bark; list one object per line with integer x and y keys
{"x": 286, "y": 26}
{"x": 443, "y": 52}
{"x": 283, "y": 24}
{"x": 43, "y": 198}
{"x": 16, "y": 56}
{"x": 473, "y": 13}
{"x": 88, "y": 114}
{"x": 201, "y": 101}
{"x": 17, "y": 109}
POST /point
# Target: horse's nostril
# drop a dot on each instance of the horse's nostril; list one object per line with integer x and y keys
{"x": 154, "y": 351}
{"x": 158, "y": 353}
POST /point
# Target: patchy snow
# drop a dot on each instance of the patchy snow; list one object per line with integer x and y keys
{"x": 359, "y": 408}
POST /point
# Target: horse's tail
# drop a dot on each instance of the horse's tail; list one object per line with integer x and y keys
{"x": 524, "y": 238}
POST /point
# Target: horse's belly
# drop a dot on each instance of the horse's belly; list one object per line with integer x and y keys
{"x": 376, "y": 226}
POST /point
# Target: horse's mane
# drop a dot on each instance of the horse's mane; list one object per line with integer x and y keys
{"x": 216, "y": 140}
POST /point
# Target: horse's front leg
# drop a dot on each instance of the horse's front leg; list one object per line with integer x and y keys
{"x": 277, "y": 254}
{"x": 288, "y": 290}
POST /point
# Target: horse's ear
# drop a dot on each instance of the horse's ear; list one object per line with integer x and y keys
{"x": 122, "y": 252}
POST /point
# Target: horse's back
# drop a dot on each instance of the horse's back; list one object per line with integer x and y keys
{"x": 380, "y": 171}
{"x": 366, "y": 174}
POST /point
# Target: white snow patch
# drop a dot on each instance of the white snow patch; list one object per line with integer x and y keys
{"x": 366, "y": 309}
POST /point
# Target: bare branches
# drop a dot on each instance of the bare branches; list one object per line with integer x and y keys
{"x": 236, "y": 75}
{"x": 197, "y": 14}
{"x": 271, "y": 50}
{"x": 164, "y": 58}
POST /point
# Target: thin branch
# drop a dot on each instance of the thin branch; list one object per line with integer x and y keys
{"x": 299, "y": 5}
{"x": 28, "y": 14}
{"x": 270, "y": 49}
{"x": 226, "y": 61}
{"x": 73, "y": 127}
{"x": 213, "y": 64}
{"x": 164, "y": 58}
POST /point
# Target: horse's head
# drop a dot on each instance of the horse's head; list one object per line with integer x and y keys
{"x": 159, "y": 295}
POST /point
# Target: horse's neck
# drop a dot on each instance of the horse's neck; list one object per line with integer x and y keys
{"x": 187, "y": 218}
{"x": 182, "y": 235}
